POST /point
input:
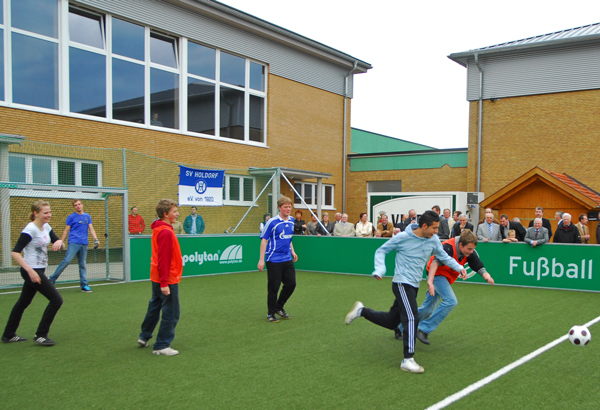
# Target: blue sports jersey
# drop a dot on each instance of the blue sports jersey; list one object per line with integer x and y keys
{"x": 279, "y": 235}
{"x": 79, "y": 227}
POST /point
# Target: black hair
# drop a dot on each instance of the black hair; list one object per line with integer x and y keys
{"x": 428, "y": 218}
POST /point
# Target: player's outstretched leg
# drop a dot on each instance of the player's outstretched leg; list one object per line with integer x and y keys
{"x": 355, "y": 312}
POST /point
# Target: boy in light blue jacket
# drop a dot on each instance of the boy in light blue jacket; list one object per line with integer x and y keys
{"x": 413, "y": 249}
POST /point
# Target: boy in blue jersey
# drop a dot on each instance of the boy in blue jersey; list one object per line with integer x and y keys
{"x": 277, "y": 250}
{"x": 77, "y": 226}
{"x": 413, "y": 249}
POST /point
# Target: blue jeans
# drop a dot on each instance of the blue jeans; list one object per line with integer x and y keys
{"x": 170, "y": 316}
{"x": 74, "y": 249}
{"x": 430, "y": 313}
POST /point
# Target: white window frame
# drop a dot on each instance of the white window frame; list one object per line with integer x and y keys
{"x": 54, "y": 169}
{"x": 313, "y": 203}
{"x": 241, "y": 202}
{"x": 64, "y": 43}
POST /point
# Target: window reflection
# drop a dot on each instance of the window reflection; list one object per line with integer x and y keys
{"x": 201, "y": 60}
{"x": 16, "y": 169}
{"x": 37, "y": 16}
{"x": 201, "y": 106}
{"x": 232, "y": 113}
{"x": 34, "y": 71}
{"x": 86, "y": 28}
{"x": 257, "y": 76}
{"x": 128, "y": 91}
{"x": 1, "y": 63}
{"x": 41, "y": 170}
{"x": 87, "y": 72}
{"x": 128, "y": 39}
{"x": 233, "y": 70}
{"x": 162, "y": 50}
{"x": 257, "y": 116}
{"x": 164, "y": 98}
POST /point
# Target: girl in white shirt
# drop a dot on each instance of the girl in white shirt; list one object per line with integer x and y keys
{"x": 33, "y": 242}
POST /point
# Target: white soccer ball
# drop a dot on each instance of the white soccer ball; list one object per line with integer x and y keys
{"x": 580, "y": 335}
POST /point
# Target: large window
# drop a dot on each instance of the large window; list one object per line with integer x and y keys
{"x": 238, "y": 190}
{"x": 308, "y": 190}
{"x": 31, "y": 169}
{"x": 101, "y": 66}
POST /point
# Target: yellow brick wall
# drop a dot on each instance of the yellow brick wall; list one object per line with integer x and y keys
{"x": 413, "y": 180}
{"x": 304, "y": 131}
{"x": 557, "y": 132}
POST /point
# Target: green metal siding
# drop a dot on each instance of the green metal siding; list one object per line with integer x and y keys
{"x": 364, "y": 142}
{"x": 417, "y": 161}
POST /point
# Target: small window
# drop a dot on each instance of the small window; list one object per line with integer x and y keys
{"x": 234, "y": 189}
{"x": 89, "y": 174}
{"x": 308, "y": 190}
{"x": 238, "y": 190}
{"x": 233, "y": 70}
{"x": 66, "y": 173}
{"x": 163, "y": 50}
{"x": 257, "y": 76}
{"x": 41, "y": 171}
{"x": 248, "y": 190}
{"x": 201, "y": 60}
{"x": 16, "y": 169}
{"x": 86, "y": 28}
{"x": 128, "y": 39}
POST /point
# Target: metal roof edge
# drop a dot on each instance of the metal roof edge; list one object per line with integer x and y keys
{"x": 279, "y": 34}
{"x": 463, "y": 56}
{"x": 408, "y": 153}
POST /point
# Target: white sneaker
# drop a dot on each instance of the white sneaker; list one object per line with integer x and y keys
{"x": 167, "y": 351}
{"x": 409, "y": 365}
{"x": 353, "y": 314}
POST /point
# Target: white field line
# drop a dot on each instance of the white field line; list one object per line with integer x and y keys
{"x": 477, "y": 385}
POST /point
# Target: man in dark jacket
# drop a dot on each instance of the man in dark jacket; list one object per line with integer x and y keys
{"x": 566, "y": 232}
{"x": 461, "y": 225}
{"x": 506, "y": 225}
{"x": 539, "y": 213}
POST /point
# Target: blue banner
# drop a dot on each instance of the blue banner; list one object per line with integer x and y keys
{"x": 200, "y": 187}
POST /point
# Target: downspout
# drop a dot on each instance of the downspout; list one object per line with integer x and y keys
{"x": 345, "y": 130}
{"x": 479, "y": 122}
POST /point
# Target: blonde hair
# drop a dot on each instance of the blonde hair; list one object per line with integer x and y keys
{"x": 36, "y": 207}
{"x": 164, "y": 206}
{"x": 284, "y": 200}
{"x": 512, "y": 232}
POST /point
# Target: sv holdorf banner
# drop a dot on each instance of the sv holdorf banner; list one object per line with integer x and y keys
{"x": 200, "y": 187}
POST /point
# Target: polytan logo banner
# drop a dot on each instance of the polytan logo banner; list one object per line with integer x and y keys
{"x": 200, "y": 187}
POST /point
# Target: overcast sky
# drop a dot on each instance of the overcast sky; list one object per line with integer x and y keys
{"x": 414, "y": 92}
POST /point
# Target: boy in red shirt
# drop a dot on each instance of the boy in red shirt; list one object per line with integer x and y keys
{"x": 166, "y": 267}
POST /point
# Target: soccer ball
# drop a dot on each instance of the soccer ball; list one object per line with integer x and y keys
{"x": 580, "y": 335}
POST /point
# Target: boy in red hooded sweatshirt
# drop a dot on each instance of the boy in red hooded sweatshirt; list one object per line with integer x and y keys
{"x": 166, "y": 267}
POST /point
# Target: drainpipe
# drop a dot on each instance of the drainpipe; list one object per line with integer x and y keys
{"x": 479, "y": 122}
{"x": 345, "y": 130}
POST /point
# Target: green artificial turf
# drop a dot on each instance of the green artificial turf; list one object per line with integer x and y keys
{"x": 232, "y": 358}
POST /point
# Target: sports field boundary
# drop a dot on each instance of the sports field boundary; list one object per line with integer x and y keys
{"x": 479, "y": 384}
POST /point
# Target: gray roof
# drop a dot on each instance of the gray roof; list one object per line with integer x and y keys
{"x": 591, "y": 32}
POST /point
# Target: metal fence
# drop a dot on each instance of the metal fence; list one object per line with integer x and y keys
{"x": 108, "y": 182}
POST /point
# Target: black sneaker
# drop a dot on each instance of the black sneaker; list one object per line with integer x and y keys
{"x": 282, "y": 313}
{"x": 15, "y": 338}
{"x": 43, "y": 341}
{"x": 272, "y": 318}
{"x": 422, "y": 336}
{"x": 398, "y": 334}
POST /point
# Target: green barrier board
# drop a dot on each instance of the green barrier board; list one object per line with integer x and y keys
{"x": 548, "y": 266}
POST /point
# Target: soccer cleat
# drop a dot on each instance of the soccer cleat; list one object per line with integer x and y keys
{"x": 167, "y": 351}
{"x": 353, "y": 314}
{"x": 86, "y": 289}
{"x": 422, "y": 336}
{"x": 15, "y": 338}
{"x": 43, "y": 341}
{"x": 272, "y": 318}
{"x": 282, "y": 313}
{"x": 398, "y": 334}
{"x": 409, "y": 365}
{"x": 142, "y": 342}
